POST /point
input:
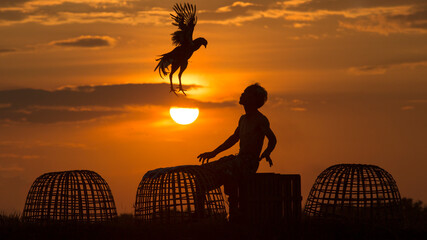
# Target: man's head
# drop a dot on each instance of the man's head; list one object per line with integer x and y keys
{"x": 253, "y": 96}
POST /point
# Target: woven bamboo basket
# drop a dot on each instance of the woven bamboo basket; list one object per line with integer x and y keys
{"x": 70, "y": 196}
{"x": 179, "y": 194}
{"x": 356, "y": 192}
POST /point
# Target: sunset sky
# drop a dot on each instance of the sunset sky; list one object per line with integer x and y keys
{"x": 347, "y": 83}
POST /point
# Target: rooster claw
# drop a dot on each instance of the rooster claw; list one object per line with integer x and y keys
{"x": 182, "y": 90}
{"x": 174, "y": 91}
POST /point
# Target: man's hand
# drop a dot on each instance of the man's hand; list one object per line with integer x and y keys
{"x": 267, "y": 158}
{"x": 206, "y": 156}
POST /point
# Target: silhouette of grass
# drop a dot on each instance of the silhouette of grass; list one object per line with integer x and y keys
{"x": 11, "y": 227}
{"x": 413, "y": 226}
{"x": 125, "y": 227}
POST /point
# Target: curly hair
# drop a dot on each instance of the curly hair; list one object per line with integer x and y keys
{"x": 259, "y": 93}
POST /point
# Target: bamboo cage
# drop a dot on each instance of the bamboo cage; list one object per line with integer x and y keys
{"x": 179, "y": 194}
{"x": 70, "y": 196}
{"x": 356, "y": 192}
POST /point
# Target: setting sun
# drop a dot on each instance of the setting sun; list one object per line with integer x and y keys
{"x": 184, "y": 116}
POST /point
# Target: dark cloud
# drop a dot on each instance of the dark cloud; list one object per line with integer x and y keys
{"x": 411, "y": 20}
{"x": 68, "y": 7}
{"x": 63, "y": 12}
{"x": 53, "y": 116}
{"x": 417, "y": 19}
{"x": 12, "y": 15}
{"x": 378, "y": 16}
{"x": 86, "y": 7}
{"x": 226, "y": 13}
{"x": 390, "y": 16}
{"x": 88, "y": 102}
{"x": 369, "y": 70}
{"x": 86, "y": 41}
{"x": 229, "y": 11}
{"x": 338, "y": 5}
{"x": 383, "y": 68}
{"x": 7, "y": 50}
{"x": 12, "y": 3}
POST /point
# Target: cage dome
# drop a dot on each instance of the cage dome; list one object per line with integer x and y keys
{"x": 80, "y": 195}
{"x": 355, "y": 192}
{"x": 179, "y": 194}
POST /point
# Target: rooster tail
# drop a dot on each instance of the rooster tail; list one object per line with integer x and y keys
{"x": 163, "y": 65}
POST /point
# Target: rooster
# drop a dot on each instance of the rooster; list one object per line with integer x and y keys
{"x": 185, "y": 19}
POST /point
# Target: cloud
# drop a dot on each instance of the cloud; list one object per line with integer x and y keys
{"x": 418, "y": 101}
{"x": 414, "y": 104}
{"x": 11, "y": 169}
{"x": 377, "y": 16}
{"x": 294, "y": 3}
{"x": 287, "y": 11}
{"x": 86, "y": 41}
{"x": 12, "y": 3}
{"x": 235, "y": 4}
{"x": 311, "y": 37}
{"x": 295, "y": 105}
{"x": 12, "y": 15}
{"x": 409, "y": 22}
{"x": 59, "y": 144}
{"x": 10, "y": 143}
{"x": 368, "y": 70}
{"x": 350, "y": 4}
{"x": 407, "y": 108}
{"x": 382, "y": 69}
{"x": 298, "y": 109}
{"x": 57, "y": 12}
{"x": 301, "y": 25}
{"x": 18, "y": 156}
{"x": 82, "y": 103}
{"x": 7, "y": 50}
{"x": 36, "y": 144}
{"x": 53, "y": 116}
{"x": 382, "y": 17}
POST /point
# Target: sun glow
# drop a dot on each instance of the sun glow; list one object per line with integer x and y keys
{"x": 184, "y": 116}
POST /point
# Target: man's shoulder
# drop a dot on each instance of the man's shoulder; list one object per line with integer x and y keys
{"x": 262, "y": 117}
{"x": 259, "y": 117}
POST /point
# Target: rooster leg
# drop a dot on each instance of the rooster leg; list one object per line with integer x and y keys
{"x": 172, "y": 89}
{"x": 173, "y": 70}
{"x": 181, "y": 70}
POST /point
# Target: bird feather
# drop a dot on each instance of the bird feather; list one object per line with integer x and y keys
{"x": 185, "y": 19}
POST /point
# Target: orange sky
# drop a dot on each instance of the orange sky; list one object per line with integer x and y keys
{"x": 346, "y": 82}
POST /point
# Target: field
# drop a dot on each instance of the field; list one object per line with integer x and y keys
{"x": 11, "y": 227}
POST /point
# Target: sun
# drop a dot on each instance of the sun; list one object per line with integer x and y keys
{"x": 184, "y": 116}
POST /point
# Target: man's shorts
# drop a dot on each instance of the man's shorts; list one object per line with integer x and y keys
{"x": 233, "y": 167}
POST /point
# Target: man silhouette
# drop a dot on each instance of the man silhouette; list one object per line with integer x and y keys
{"x": 252, "y": 128}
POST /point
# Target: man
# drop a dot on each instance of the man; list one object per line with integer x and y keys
{"x": 252, "y": 128}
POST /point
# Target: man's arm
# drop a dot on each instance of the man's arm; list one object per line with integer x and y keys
{"x": 233, "y": 139}
{"x": 271, "y": 142}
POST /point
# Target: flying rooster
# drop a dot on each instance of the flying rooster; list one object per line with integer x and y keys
{"x": 185, "y": 19}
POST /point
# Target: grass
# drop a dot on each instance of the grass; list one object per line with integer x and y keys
{"x": 414, "y": 227}
{"x": 11, "y": 227}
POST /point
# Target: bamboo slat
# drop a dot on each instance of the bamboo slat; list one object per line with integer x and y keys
{"x": 79, "y": 195}
{"x": 355, "y": 192}
{"x": 179, "y": 194}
